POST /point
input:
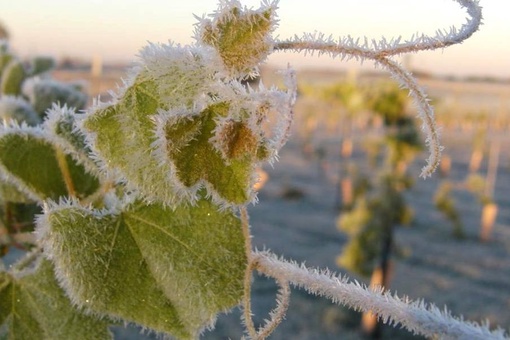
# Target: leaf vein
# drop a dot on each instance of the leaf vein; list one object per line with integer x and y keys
{"x": 112, "y": 245}
{"x": 152, "y": 224}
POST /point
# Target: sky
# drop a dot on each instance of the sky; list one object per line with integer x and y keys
{"x": 116, "y": 29}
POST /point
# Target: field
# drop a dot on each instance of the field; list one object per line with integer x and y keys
{"x": 298, "y": 208}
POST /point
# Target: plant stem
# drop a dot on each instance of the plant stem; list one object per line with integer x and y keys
{"x": 278, "y": 314}
{"x": 64, "y": 168}
{"x": 247, "y": 315}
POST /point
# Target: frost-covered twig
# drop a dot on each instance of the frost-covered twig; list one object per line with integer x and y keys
{"x": 348, "y": 47}
{"x": 278, "y": 314}
{"x": 379, "y": 51}
{"x": 426, "y": 112}
{"x": 247, "y": 314}
{"x": 416, "y": 316}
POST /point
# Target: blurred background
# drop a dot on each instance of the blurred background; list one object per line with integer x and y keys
{"x": 115, "y": 30}
{"x": 346, "y": 192}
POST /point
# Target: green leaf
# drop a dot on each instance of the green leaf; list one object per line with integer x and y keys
{"x": 125, "y": 137}
{"x": 168, "y": 143}
{"x": 12, "y": 78}
{"x": 169, "y": 270}
{"x": 198, "y": 149}
{"x": 172, "y": 76}
{"x": 241, "y": 37}
{"x": 225, "y": 166}
{"x": 61, "y": 122}
{"x": 33, "y": 163}
{"x": 65, "y": 128}
{"x": 124, "y": 134}
{"x": 179, "y": 73}
{"x": 34, "y": 307}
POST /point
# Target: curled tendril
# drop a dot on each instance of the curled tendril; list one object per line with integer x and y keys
{"x": 380, "y": 52}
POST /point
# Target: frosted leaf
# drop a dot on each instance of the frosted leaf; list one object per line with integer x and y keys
{"x": 57, "y": 174}
{"x": 240, "y": 36}
{"x": 34, "y": 307}
{"x": 169, "y": 270}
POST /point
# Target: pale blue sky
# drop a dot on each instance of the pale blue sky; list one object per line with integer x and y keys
{"x": 117, "y": 29}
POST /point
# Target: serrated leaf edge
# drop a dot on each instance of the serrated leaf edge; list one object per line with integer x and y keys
{"x": 191, "y": 194}
{"x": 224, "y": 12}
{"x": 240, "y": 98}
{"x": 106, "y": 172}
{"x": 53, "y": 116}
{"x": 43, "y": 229}
{"x": 113, "y": 173}
{"x": 32, "y": 263}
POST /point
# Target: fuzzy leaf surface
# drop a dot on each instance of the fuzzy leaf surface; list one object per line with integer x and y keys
{"x": 122, "y": 133}
{"x": 34, "y": 307}
{"x": 198, "y": 160}
{"x": 169, "y": 270}
{"x": 61, "y": 123}
{"x": 177, "y": 128}
{"x": 242, "y": 38}
{"x": 124, "y": 136}
{"x": 33, "y": 162}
